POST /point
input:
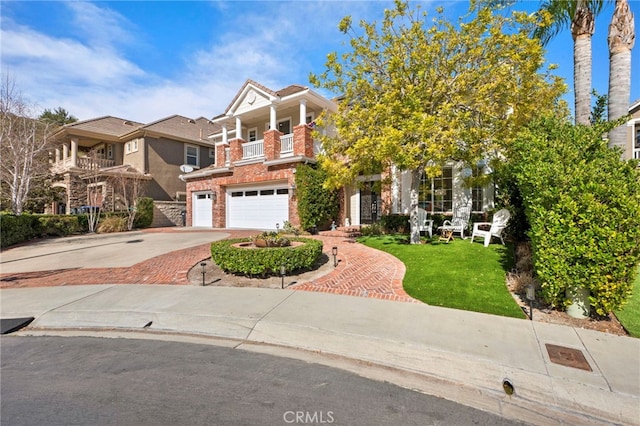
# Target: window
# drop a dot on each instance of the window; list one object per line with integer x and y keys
{"x": 237, "y": 194}
{"x": 252, "y": 134}
{"x": 282, "y": 191}
{"x": 284, "y": 126}
{"x": 212, "y": 153}
{"x": 436, "y": 195}
{"x": 309, "y": 118}
{"x": 131, "y": 146}
{"x": 250, "y": 193}
{"x": 110, "y": 151}
{"x": 477, "y": 191}
{"x": 267, "y": 192}
{"x": 191, "y": 155}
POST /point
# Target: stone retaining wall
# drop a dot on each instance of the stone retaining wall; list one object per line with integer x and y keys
{"x": 168, "y": 213}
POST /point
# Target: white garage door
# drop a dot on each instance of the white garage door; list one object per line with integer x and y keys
{"x": 257, "y": 208}
{"x": 202, "y": 210}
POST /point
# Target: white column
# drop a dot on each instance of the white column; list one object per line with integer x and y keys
{"x": 225, "y": 135}
{"x": 272, "y": 118}
{"x": 238, "y": 127}
{"x": 395, "y": 190}
{"x": 65, "y": 152}
{"x": 74, "y": 152}
{"x": 303, "y": 111}
{"x": 57, "y": 158}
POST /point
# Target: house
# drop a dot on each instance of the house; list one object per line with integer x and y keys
{"x": 632, "y": 147}
{"x": 264, "y": 134}
{"x": 105, "y": 145}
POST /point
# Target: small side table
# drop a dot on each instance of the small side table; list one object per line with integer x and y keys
{"x": 446, "y": 234}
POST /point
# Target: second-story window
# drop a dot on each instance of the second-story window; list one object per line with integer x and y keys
{"x": 191, "y": 155}
{"x": 252, "y": 134}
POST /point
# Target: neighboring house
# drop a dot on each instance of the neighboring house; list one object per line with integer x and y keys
{"x": 264, "y": 134}
{"x": 632, "y": 147}
{"x": 97, "y": 147}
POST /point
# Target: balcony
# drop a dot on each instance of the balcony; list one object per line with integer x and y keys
{"x": 253, "y": 149}
{"x": 82, "y": 163}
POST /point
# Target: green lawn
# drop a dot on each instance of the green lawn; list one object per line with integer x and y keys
{"x": 456, "y": 275}
{"x": 629, "y": 315}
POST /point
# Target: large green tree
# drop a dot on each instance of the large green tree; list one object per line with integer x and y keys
{"x": 57, "y": 117}
{"x": 621, "y": 40}
{"x": 418, "y": 92}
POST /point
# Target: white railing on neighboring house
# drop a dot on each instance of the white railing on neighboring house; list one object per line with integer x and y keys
{"x": 253, "y": 149}
{"x": 636, "y": 153}
{"x": 286, "y": 143}
{"x": 82, "y": 163}
{"x": 227, "y": 156}
{"x": 94, "y": 163}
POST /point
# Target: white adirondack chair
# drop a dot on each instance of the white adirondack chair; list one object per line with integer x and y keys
{"x": 458, "y": 222}
{"x": 500, "y": 220}
{"x": 424, "y": 224}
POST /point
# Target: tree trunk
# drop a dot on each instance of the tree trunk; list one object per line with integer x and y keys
{"x": 621, "y": 40}
{"x": 416, "y": 175}
{"x": 582, "y": 27}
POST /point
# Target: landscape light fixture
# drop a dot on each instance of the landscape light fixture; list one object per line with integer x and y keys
{"x": 531, "y": 296}
{"x": 277, "y": 227}
{"x": 283, "y": 272}
{"x": 334, "y": 252}
{"x": 203, "y": 264}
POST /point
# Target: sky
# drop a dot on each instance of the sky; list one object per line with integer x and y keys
{"x": 144, "y": 60}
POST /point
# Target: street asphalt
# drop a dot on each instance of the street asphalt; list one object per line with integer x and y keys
{"x": 471, "y": 358}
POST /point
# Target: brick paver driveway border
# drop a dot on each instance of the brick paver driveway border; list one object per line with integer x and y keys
{"x": 361, "y": 271}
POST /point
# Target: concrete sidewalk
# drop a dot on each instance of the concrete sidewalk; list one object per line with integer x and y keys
{"x": 461, "y": 356}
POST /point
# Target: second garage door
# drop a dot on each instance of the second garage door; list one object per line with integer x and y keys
{"x": 257, "y": 208}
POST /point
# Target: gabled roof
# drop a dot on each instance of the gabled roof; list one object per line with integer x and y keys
{"x": 635, "y": 105}
{"x": 250, "y": 84}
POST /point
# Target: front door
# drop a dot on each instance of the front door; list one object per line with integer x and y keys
{"x": 369, "y": 204}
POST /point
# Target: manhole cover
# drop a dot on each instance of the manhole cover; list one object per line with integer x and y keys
{"x": 567, "y": 357}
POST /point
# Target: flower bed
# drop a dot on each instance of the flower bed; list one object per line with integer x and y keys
{"x": 233, "y": 258}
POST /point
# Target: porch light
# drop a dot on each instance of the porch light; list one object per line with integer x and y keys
{"x": 531, "y": 296}
{"x": 283, "y": 272}
{"x": 334, "y": 252}
{"x": 277, "y": 227}
{"x": 292, "y": 190}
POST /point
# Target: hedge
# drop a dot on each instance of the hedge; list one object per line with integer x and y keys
{"x": 264, "y": 261}
{"x": 583, "y": 206}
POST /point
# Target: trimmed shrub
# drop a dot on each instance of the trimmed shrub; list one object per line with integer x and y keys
{"x": 58, "y": 225}
{"x": 317, "y": 206}
{"x": 264, "y": 261}
{"x": 395, "y": 223}
{"x": 144, "y": 213}
{"x": 373, "y": 230}
{"x": 583, "y": 205}
{"x": 113, "y": 223}
{"x": 16, "y": 229}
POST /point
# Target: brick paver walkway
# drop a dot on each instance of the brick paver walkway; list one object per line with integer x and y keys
{"x": 361, "y": 271}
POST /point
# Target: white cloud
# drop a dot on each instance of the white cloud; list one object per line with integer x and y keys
{"x": 88, "y": 73}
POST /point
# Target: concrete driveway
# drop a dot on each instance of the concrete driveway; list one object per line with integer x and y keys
{"x": 101, "y": 250}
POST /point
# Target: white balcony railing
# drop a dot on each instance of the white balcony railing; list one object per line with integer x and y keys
{"x": 82, "y": 163}
{"x": 286, "y": 144}
{"x": 94, "y": 163}
{"x": 253, "y": 150}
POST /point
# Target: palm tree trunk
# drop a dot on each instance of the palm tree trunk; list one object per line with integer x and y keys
{"x": 582, "y": 28}
{"x": 621, "y": 40}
